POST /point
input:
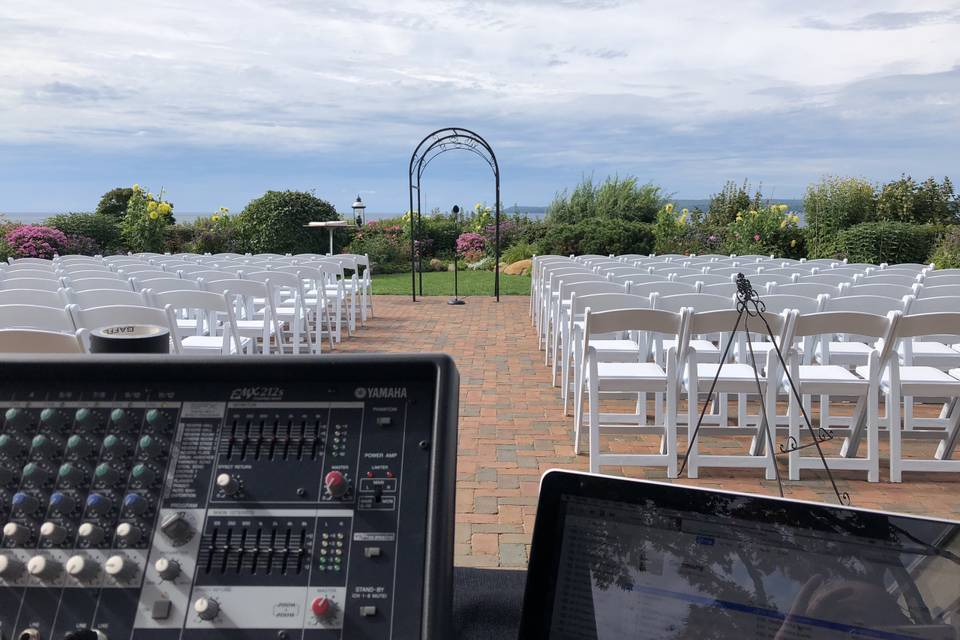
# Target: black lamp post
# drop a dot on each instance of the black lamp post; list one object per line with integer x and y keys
{"x": 456, "y": 299}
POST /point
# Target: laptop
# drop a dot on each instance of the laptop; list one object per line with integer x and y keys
{"x": 614, "y": 558}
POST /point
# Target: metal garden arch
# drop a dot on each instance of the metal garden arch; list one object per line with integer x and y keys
{"x": 435, "y": 144}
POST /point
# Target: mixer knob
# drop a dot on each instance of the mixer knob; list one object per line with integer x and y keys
{"x": 90, "y": 533}
{"x": 9, "y": 446}
{"x": 105, "y": 475}
{"x": 43, "y": 567}
{"x": 61, "y": 502}
{"x": 25, "y": 502}
{"x": 85, "y": 418}
{"x": 17, "y": 418}
{"x": 322, "y": 607}
{"x": 98, "y": 504}
{"x": 228, "y": 484}
{"x": 135, "y": 503}
{"x": 167, "y": 569}
{"x": 16, "y": 533}
{"x": 81, "y": 567}
{"x": 128, "y": 533}
{"x": 119, "y": 567}
{"x": 34, "y": 474}
{"x": 206, "y": 608}
{"x": 177, "y": 529}
{"x": 10, "y": 567}
{"x": 121, "y": 418}
{"x": 53, "y": 532}
{"x": 77, "y": 446}
{"x": 52, "y": 418}
{"x": 42, "y": 445}
{"x": 150, "y": 446}
{"x": 70, "y": 474}
{"x": 336, "y": 484}
{"x": 157, "y": 419}
{"x": 143, "y": 475}
{"x": 113, "y": 446}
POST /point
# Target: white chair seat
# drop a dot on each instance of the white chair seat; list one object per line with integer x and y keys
{"x": 629, "y": 372}
{"x": 932, "y": 354}
{"x": 615, "y": 346}
{"x": 847, "y": 353}
{"x": 924, "y": 379}
{"x": 828, "y": 374}
{"x": 733, "y": 377}
{"x": 209, "y": 344}
{"x": 702, "y": 346}
{"x": 253, "y": 325}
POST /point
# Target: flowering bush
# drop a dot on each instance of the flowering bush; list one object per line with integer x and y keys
{"x": 216, "y": 234}
{"x": 385, "y": 243}
{"x": 675, "y": 232}
{"x": 471, "y": 246}
{"x": 482, "y": 216}
{"x": 36, "y": 241}
{"x": 947, "y": 253}
{"x": 766, "y": 230}
{"x": 82, "y": 245}
{"x": 147, "y": 216}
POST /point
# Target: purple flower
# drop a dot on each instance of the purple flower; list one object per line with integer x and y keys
{"x": 36, "y": 241}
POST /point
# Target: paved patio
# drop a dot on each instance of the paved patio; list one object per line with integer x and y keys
{"x": 512, "y": 428}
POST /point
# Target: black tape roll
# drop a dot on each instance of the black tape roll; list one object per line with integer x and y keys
{"x": 130, "y": 338}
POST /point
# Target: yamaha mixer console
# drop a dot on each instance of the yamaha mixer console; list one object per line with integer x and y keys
{"x": 248, "y": 498}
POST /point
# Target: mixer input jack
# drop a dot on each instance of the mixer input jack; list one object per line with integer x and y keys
{"x": 29, "y": 634}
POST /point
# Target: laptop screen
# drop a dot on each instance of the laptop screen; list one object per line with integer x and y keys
{"x": 730, "y": 566}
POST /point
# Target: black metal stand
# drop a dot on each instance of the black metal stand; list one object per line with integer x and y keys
{"x": 456, "y": 299}
{"x": 749, "y": 303}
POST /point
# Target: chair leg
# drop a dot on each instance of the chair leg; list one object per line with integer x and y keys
{"x": 594, "y": 423}
{"x": 565, "y": 372}
{"x": 557, "y": 338}
{"x": 896, "y": 452}
{"x": 693, "y": 399}
{"x": 873, "y": 432}
{"x": 794, "y": 418}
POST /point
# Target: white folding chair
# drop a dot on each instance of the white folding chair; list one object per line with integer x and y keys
{"x": 37, "y": 297}
{"x": 85, "y": 284}
{"x": 39, "y": 284}
{"x": 319, "y": 304}
{"x": 252, "y": 321}
{"x": 281, "y": 286}
{"x": 562, "y": 317}
{"x": 104, "y": 297}
{"x": 92, "y": 318}
{"x": 637, "y": 377}
{"x": 906, "y": 381}
{"x": 889, "y": 290}
{"x": 37, "y": 341}
{"x": 826, "y": 379}
{"x": 212, "y": 336}
{"x": 884, "y": 278}
{"x": 43, "y": 274}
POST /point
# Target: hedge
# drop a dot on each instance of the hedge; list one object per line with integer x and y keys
{"x": 101, "y": 228}
{"x": 274, "y": 223}
{"x": 890, "y": 242}
{"x": 597, "y": 236}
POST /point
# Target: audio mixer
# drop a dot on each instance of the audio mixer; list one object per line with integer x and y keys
{"x": 288, "y": 498}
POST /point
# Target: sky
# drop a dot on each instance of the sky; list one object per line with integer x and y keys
{"x": 220, "y": 100}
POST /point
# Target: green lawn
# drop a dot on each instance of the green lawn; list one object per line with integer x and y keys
{"x": 440, "y": 283}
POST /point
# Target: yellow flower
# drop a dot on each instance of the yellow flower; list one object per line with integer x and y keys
{"x": 164, "y": 208}
{"x": 136, "y": 188}
{"x": 682, "y": 219}
{"x": 224, "y": 210}
{"x": 150, "y": 196}
{"x": 154, "y": 215}
{"x": 782, "y": 207}
{"x": 783, "y": 223}
{"x": 739, "y": 217}
{"x": 796, "y": 219}
{"x": 793, "y": 243}
{"x": 478, "y": 206}
{"x": 668, "y": 207}
{"x": 151, "y": 206}
{"x": 215, "y": 218}
{"x": 753, "y": 213}
{"x": 685, "y": 211}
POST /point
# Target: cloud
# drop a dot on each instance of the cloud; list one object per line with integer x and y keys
{"x": 890, "y": 20}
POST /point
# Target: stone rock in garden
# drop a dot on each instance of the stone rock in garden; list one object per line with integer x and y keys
{"x": 520, "y": 268}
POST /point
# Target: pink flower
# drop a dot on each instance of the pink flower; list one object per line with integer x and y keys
{"x": 757, "y": 237}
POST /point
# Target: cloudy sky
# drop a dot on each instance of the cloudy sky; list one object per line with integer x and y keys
{"x": 219, "y": 100}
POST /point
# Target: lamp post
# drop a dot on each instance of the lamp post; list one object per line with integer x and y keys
{"x": 358, "y": 211}
{"x": 456, "y": 299}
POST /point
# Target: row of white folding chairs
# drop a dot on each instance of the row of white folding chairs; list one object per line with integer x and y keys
{"x": 683, "y": 371}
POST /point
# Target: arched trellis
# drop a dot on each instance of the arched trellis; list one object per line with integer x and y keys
{"x": 437, "y": 143}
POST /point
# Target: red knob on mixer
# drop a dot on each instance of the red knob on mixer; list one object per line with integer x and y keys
{"x": 320, "y": 606}
{"x": 336, "y": 484}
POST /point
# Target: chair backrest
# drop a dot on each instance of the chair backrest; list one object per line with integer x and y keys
{"x": 799, "y": 271}
{"x": 84, "y": 284}
{"x": 942, "y": 277}
{"x": 940, "y": 304}
{"x": 807, "y": 289}
{"x": 704, "y": 278}
{"x": 780, "y": 303}
{"x": 581, "y": 288}
{"x": 700, "y": 302}
{"x": 37, "y": 297}
{"x": 144, "y": 271}
{"x": 38, "y": 341}
{"x": 678, "y": 271}
{"x": 213, "y": 274}
{"x": 763, "y": 278}
{"x": 42, "y": 284}
{"x": 186, "y": 269}
{"x": 883, "y": 290}
{"x": 105, "y": 297}
{"x": 642, "y": 320}
{"x": 606, "y": 302}
{"x": 238, "y": 287}
{"x": 28, "y": 316}
{"x": 202, "y": 304}
{"x": 938, "y": 291}
{"x": 158, "y": 285}
{"x": 45, "y": 274}
{"x": 876, "y": 305}
{"x": 29, "y": 263}
{"x": 98, "y": 317}
{"x": 78, "y": 274}
{"x": 638, "y": 277}
{"x": 826, "y": 278}
{"x": 725, "y": 289}
{"x": 885, "y": 277}
{"x": 929, "y": 324}
{"x": 827, "y": 323}
{"x": 714, "y": 321}
{"x": 661, "y": 288}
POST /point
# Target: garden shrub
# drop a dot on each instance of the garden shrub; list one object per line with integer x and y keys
{"x": 101, "y": 228}
{"x": 517, "y": 252}
{"x": 114, "y": 203}
{"x": 81, "y": 245}
{"x": 6, "y": 251}
{"x": 731, "y": 200}
{"x": 441, "y": 231}
{"x": 385, "y": 243}
{"x": 890, "y": 242}
{"x": 216, "y": 234}
{"x": 36, "y": 241}
{"x": 436, "y": 264}
{"x": 673, "y": 233}
{"x": 622, "y": 199}
{"x": 771, "y": 230}
{"x": 142, "y": 228}
{"x": 832, "y": 205}
{"x": 947, "y": 253}
{"x": 903, "y": 200}
{"x": 274, "y": 223}
{"x": 471, "y": 246}
{"x": 597, "y": 236}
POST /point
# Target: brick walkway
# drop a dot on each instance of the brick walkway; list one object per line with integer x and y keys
{"x": 512, "y": 428}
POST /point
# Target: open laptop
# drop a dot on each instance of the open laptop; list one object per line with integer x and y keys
{"x": 614, "y": 558}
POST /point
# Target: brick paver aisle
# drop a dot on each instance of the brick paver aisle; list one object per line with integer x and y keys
{"x": 512, "y": 428}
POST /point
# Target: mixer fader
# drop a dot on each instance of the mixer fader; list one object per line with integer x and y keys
{"x": 248, "y": 498}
